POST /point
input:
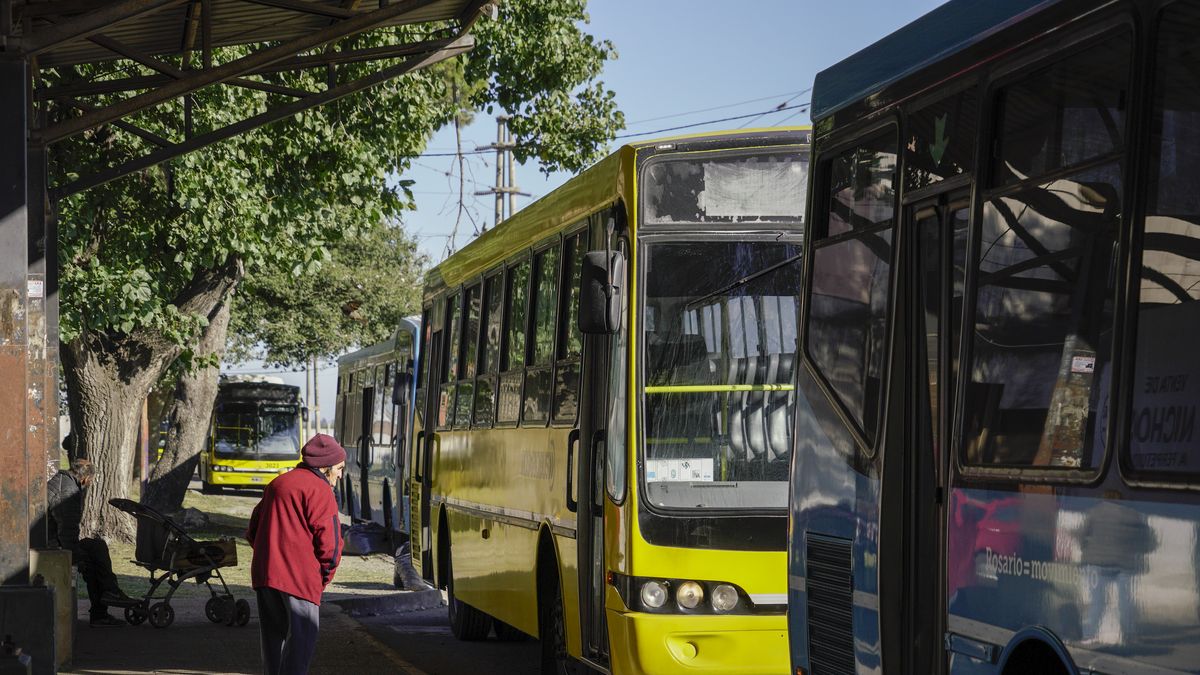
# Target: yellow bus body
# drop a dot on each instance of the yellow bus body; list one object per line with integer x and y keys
{"x": 242, "y": 473}
{"x": 498, "y": 494}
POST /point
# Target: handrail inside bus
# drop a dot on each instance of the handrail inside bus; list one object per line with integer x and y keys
{"x": 715, "y": 388}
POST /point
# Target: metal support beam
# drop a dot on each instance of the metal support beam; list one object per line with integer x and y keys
{"x": 307, "y": 8}
{"x": 460, "y": 45}
{"x": 297, "y": 63}
{"x": 90, "y": 23}
{"x": 132, "y": 54}
{"x": 14, "y": 357}
{"x": 226, "y": 71}
{"x": 128, "y": 127}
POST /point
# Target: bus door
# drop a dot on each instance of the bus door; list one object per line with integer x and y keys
{"x": 600, "y": 385}
{"x": 402, "y": 402}
{"x": 421, "y": 537}
{"x": 937, "y": 228}
{"x": 365, "y": 440}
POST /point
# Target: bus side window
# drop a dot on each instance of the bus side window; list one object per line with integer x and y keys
{"x": 489, "y": 351}
{"x": 449, "y": 365}
{"x": 1041, "y": 338}
{"x": 570, "y": 339}
{"x": 419, "y": 404}
{"x": 1166, "y": 371}
{"x": 851, "y": 275}
{"x": 541, "y": 338}
{"x": 383, "y": 393}
{"x": 512, "y": 363}
{"x": 469, "y": 360}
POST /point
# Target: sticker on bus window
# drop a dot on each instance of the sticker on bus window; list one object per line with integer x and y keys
{"x": 698, "y": 470}
{"x": 1083, "y": 364}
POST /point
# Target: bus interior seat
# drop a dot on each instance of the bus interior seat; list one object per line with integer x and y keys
{"x": 780, "y": 410}
{"x": 737, "y": 428}
{"x": 755, "y": 402}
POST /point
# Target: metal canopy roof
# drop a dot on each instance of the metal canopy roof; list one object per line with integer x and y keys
{"x": 171, "y": 27}
{"x": 293, "y": 35}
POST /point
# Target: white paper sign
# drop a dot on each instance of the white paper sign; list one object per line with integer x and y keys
{"x": 699, "y": 470}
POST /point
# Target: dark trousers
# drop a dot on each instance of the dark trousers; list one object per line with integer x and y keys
{"x": 288, "y": 627}
{"x": 94, "y": 563}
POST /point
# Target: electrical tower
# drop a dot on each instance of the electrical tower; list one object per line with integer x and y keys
{"x": 506, "y": 175}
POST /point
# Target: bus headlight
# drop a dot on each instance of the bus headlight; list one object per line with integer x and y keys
{"x": 654, "y": 594}
{"x": 689, "y": 595}
{"x": 724, "y": 597}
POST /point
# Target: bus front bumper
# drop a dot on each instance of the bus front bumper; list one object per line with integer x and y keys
{"x": 243, "y": 478}
{"x": 674, "y": 643}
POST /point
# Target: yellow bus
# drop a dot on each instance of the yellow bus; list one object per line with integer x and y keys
{"x": 604, "y": 412}
{"x": 255, "y": 433}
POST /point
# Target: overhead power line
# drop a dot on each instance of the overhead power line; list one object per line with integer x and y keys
{"x": 793, "y": 94}
{"x": 723, "y": 119}
{"x": 799, "y": 106}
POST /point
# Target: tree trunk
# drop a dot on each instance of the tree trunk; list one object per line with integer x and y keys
{"x": 109, "y": 375}
{"x": 106, "y": 386}
{"x": 188, "y": 418}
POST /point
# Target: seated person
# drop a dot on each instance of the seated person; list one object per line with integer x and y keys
{"x": 65, "y": 492}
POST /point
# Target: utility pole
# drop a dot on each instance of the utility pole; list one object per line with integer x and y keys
{"x": 506, "y": 181}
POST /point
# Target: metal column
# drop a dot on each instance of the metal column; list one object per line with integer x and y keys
{"x": 14, "y": 356}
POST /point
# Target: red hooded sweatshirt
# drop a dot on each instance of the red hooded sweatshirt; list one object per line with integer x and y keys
{"x": 296, "y": 535}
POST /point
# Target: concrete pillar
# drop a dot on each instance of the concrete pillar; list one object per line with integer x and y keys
{"x": 14, "y": 341}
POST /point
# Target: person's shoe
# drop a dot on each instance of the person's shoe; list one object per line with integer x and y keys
{"x": 105, "y": 621}
{"x": 118, "y": 598}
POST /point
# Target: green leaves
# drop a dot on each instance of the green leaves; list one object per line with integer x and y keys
{"x": 304, "y": 202}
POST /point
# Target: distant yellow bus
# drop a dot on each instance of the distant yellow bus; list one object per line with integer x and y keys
{"x": 255, "y": 434}
{"x": 604, "y": 405}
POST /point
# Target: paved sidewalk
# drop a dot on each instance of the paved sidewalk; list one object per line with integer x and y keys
{"x": 194, "y": 645}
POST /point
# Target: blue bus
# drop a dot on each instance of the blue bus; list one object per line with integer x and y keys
{"x": 997, "y": 455}
{"x": 373, "y": 421}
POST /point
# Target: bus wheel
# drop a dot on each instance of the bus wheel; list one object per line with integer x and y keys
{"x": 552, "y": 625}
{"x": 208, "y": 488}
{"x": 506, "y": 633}
{"x": 467, "y": 623}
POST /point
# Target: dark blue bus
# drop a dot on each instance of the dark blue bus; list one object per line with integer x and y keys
{"x": 998, "y": 452}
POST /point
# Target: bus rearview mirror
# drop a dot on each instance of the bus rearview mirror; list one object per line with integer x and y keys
{"x": 602, "y": 281}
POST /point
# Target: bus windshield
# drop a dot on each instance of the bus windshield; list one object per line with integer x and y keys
{"x": 719, "y": 342}
{"x": 266, "y": 434}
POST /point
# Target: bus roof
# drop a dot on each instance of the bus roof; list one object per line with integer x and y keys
{"x": 945, "y": 31}
{"x": 410, "y": 324}
{"x": 596, "y": 187}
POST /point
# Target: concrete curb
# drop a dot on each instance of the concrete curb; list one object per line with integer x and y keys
{"x": 392, "y": 603}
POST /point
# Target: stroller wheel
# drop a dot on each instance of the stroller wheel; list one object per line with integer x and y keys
{"x": 242, "y": 615}
{"x": 217, "y": 609}
{"x": 136, "y": 614}
{"x": 161, "y": 615}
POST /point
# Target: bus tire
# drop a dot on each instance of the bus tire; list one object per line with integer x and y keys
{"x": 389, "y": 525}
{"x": 1034, "y": 657}
{"x": 467, "y": 623}
{"x": 507, "y": 633}
{"x": 552, "y": 627}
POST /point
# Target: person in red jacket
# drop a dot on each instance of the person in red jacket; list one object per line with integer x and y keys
{"x": 297, "y": 540}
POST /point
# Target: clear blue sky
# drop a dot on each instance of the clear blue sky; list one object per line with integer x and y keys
{"x": 679, "y": 63}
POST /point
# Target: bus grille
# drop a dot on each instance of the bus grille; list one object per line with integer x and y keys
{"x": 829, "y": 568}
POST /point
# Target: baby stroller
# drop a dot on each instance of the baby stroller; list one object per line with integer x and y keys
{"x": 164, "y": 547}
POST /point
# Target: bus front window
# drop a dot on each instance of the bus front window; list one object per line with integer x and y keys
{"x": 265, "y": 435}
{"x": 718, "y": 340}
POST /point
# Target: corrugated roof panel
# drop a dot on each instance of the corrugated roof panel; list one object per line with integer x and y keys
{"x": 233, "y": 22}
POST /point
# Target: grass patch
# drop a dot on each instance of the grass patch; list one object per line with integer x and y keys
{"x": 228, "y": 516}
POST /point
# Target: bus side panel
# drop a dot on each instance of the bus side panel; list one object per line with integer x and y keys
{"x": 507, "y": 484}
{"x": 492, "y": 563}
{"x": 831, "y": 502}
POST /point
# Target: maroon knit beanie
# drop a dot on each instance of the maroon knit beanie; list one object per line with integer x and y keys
{"x": 321, "y": 451}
